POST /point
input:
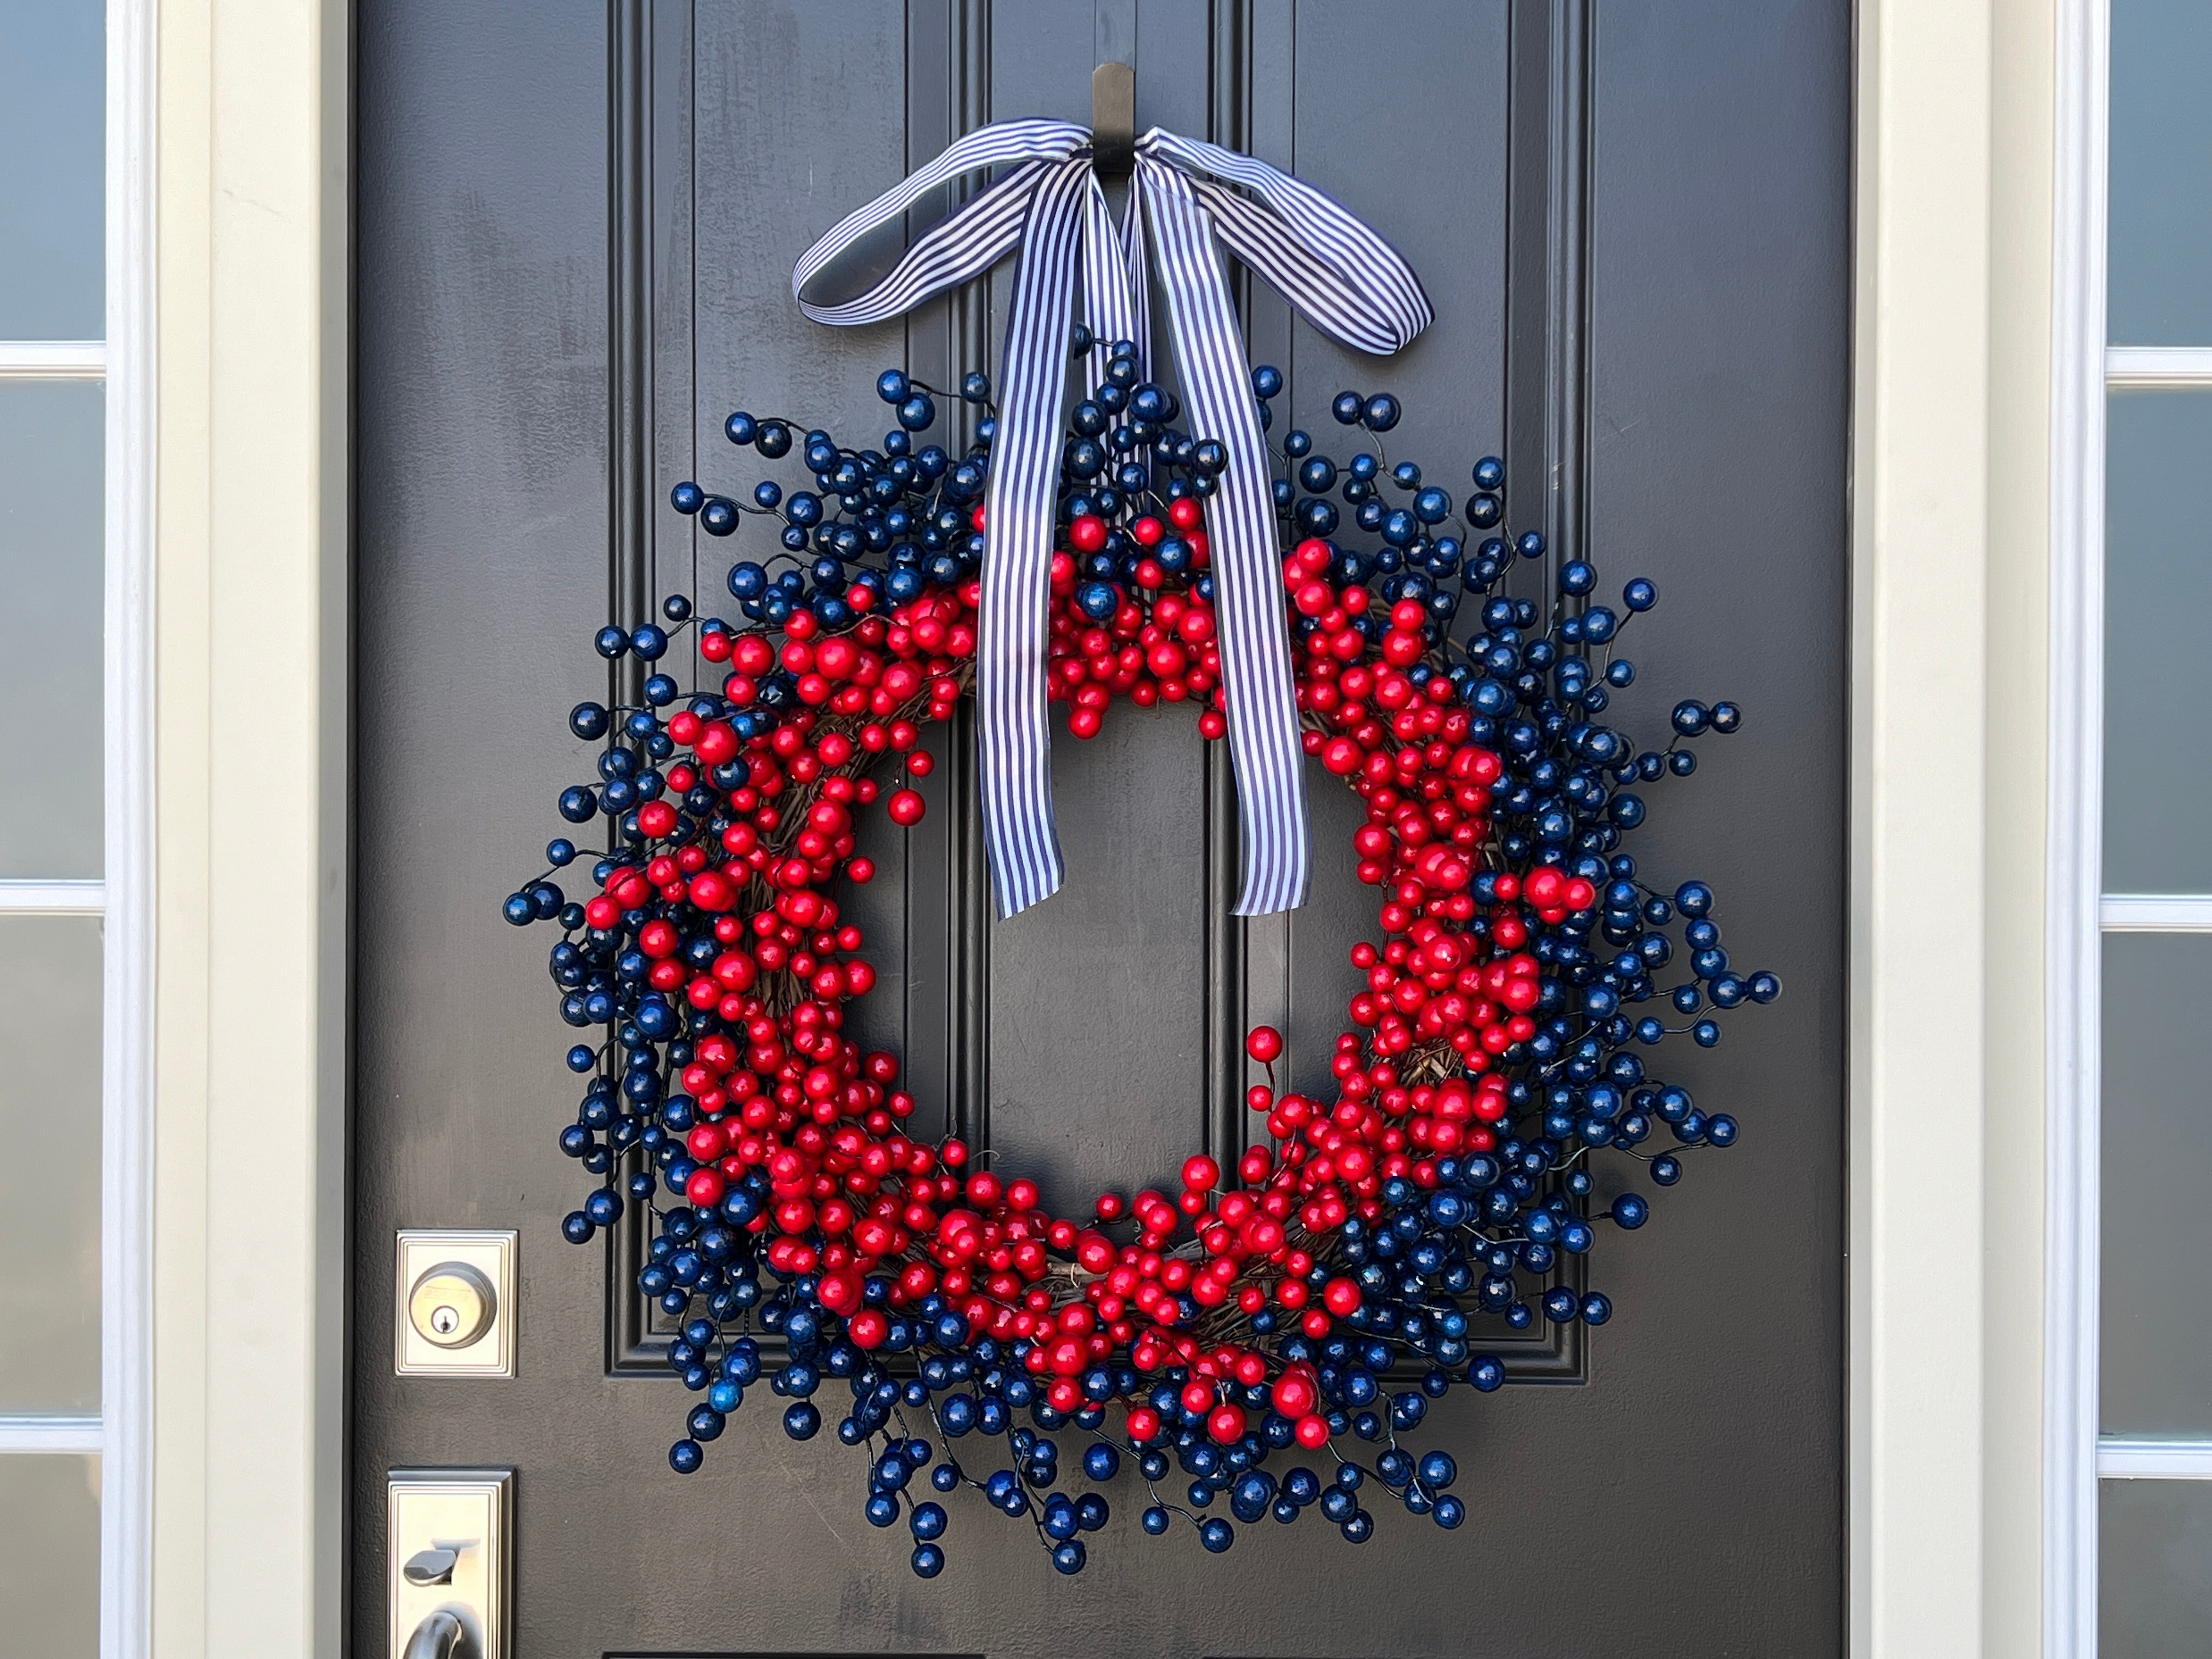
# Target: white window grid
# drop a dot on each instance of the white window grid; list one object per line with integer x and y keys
{"x": 120, "y": 1433}
{"x": 2079, "y": 914}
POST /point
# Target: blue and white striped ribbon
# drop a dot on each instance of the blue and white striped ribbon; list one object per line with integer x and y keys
{"x": 1338, "y": 273}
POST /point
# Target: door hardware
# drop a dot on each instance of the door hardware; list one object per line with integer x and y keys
{"x": 451, "y": 1304}
{"x": 434, "y": 1565}
{"x": 450, "y": 1542}
{"x": 454, "y": 1291}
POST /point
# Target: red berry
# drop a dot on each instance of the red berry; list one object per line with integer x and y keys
{"x": 906, "y": 807}
{"x": 1264, "y": 1044}
{"x": 1201, "y": 1174}
{"x": 1295, "y": 1394}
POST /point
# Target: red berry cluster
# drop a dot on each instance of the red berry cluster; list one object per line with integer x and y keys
{"x": 779, "y": 1088}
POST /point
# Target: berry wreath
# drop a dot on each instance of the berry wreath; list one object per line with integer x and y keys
{"x": 1494, "y": 1047}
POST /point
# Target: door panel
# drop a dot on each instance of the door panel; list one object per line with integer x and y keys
{"x": 576, "y": 225}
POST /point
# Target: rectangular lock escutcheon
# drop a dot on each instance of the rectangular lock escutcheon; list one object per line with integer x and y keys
{"x": 454, "y": 1294}
{"x": 449, "y": 1557}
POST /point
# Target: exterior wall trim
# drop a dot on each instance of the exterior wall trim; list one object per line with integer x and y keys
{"x": 251, "y": 762}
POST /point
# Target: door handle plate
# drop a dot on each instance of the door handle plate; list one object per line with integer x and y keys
{"x": 454, "y": 1294}
{"x": 468, "y": 1514}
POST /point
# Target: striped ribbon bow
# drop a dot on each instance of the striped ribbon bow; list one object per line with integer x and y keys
{"x": 1337, "y": 272}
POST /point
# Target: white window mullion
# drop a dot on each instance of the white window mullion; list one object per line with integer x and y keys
{"x": 2149, "y": 368}
{"x": 2125, "y": 1458}
{"x": 53, "y": 360}
{"x": 52, "y": 898}
{"x": 2155, "y": 913}
{"x": 51, "y": 1435}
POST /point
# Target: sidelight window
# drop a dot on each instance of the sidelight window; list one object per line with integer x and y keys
{"x": 2132, "y": 840}
{"x": 73, "y": 843}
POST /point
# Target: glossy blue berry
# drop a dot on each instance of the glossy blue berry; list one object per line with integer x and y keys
{"x": 1381, "y": 412}
{"x": 576, "y": 1227}
{"x": 927, "y": 1561}
{"x": 687, "y": 497}
{"x": 802, "y": 1421}
{"x": 718, "y": 517}
{"x": 1155, "y": 1520}
{"x": 1347, "y": 408}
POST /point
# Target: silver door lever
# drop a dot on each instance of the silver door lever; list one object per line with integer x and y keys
{"x": 441, "y": 1635}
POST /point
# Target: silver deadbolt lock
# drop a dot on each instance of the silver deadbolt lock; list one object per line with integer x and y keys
{"x": 454, "y": 1288}
{"x": 452, "y": 1304}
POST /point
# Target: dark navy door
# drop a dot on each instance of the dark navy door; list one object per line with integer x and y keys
{"x": 576, "y": 225}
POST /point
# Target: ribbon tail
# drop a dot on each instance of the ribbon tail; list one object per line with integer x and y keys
{"x": 1014, "y": 739}
{"x": 1140, "y": 280}
{"x": 1246, "y": 559}
{"x": 1113, "y": 286}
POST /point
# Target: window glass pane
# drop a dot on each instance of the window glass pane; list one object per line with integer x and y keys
{"x": 2157, "y": 1176}
{"x": 2158, "y": 595}
{"x": 50, "y": 574}
{"x": 2160, "y": 228}
{"x": 49, "y": 1124}
{"x": 50, "y": 1555}
{"x": 53, "y": 76}
{"x": 2154, "y": 1568}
